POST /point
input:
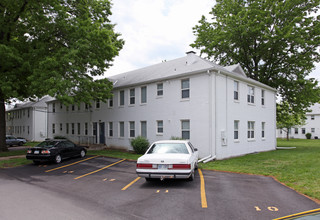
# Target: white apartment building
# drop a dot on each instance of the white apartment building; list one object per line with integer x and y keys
{"x": 312, "y": 126}
{"x": 220, "y": 110}
{"x": 28, "y": 120}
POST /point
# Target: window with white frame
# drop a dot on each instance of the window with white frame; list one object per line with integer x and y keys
{"x": 60, "y": 127}
{"x": 262, "y": 97}
{"x": 160, "y": 89}
{"x": 236, "y": 130}
{"x": 67, "y": 128}
{"x": 143, "y": 95}
{"x": 53, "y": 128}
{"x": 296, "y": 130}
{"x": 143, "y": 129}
{"x": 132, "y": 98}
{"x": 185, "y": 88}
{"x": 313, "y": 130}
{"x": 98, "y": 103}
{"x": 121, "y": 129}
{"x": 72, "y": 128}
{"x": 160, "y": 127}
{"x": 303, "y": 130}
{"x": 121, "y": 98}
{"x": 312, "y": 117}
{"x": 132, "y": 129}
{"x": 263, "y": 124}
{"x": 236, "y": 90}
{"x": 110, "y": 129}
{"x": 185, "y": 129}
{"x": 79, "y": 127}
{"x": 250, "y": 129}
{"x": 250, "y": 96}
{"x": 110, "y": 101}
{"x": 86, "y": 128}
{"x": 53, "y": 107}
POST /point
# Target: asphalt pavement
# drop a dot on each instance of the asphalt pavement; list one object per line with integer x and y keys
{"x": 108, "y": 188}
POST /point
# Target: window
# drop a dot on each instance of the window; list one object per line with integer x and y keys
{"x": 53, "y": 128}
{"x": 61, "y": 127}
{"x": 296, "y": 130}
{"x": 303, "y": 130}
{"x": 143, "y": 94}
{"x": 132, "y": 98}
{"x": 110, "y": 129}
{"x": 67, "y": 128}
{"x": 131, "y": 129}
{"x": 79, "y": 131}
{"x": 144, "y": 129}
{"x": 159, "y": 127}
{"x": 53, "y": 107}
{"x": 236, "y": 130}
{"x": 86, "y": 128}
{"x": 263, "y": 124}
{"x": 185, "y": 89}
{"x": 98, "y": 103}
{"x": 110, "y": 102}
{"x": 121, "y": 129}
{"x": 312, "y": 117}
{"x": 236, "y": 90}
{"x": 72, "y": 107}
{"x": 160, "y": 89}
{"x": 185, "y": 129}
{"x": 61, "y": 105}
{"x": 262, "y": 97}
{"x": 72, "y": 128}
{"x": 86, "y": 106}
{"x": 121, "y": 98}
{"x": 250, "y": 129}
{"x": 250, "y": 94}
{"x": 313, "y": 130}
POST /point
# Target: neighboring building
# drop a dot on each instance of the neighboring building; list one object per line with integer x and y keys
{"x": 222, "y": 112}
{"x": 28, "y": 120}
{"x": 312, "y": 126}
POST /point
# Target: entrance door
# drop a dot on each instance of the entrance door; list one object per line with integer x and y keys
{"x": 101, "y": 133}
{"x": 95, "y": 132}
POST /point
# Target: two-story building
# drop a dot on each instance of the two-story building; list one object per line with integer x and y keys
{"x": 222, "y": 112}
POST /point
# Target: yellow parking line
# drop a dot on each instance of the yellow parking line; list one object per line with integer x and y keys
{"x": 301, "y": 214}
{"x": 71, "y": 164}
{"x": 99, "y": 169}
{"x": 202, "y": 191}
{"x": 130, "y": 184}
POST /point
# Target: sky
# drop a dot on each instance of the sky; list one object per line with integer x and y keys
{"x": 158, "y": 30}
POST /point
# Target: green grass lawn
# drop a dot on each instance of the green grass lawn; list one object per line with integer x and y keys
{"x": 297, "y": 168}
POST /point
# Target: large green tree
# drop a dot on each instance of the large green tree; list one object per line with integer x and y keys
{"x": 275, "y": 41}
{"x": 55, "y": 47}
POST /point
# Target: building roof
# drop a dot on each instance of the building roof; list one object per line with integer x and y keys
{"x": 184, "y": 66}
{"x": 40, "y": 102}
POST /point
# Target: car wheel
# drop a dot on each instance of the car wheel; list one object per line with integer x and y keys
{"x": 57, "y": 158}
{"x": 148, "y": 179}
{"x": 191, "y": 178}
{"x": 20, "y": 143}
{"x": 82, "y": 153}
{"x": 35, "y": 162}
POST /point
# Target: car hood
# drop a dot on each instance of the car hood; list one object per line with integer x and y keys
{"x": 165, "y": 158}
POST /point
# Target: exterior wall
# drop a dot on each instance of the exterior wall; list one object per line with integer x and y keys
{"x": 211, "y": 111}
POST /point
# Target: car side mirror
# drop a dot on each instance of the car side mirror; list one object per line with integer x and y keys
{"x": 196, "y": 149}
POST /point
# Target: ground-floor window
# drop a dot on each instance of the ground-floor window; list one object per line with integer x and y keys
{"x": 110, "y": 129}
{"x": 160, "y": 127}
{"x": 132, "y": 129}
{"x": 121, "y": 129}
{"x": 53, "y": 128}
{"x": 263, "y": 124}
{"x": 250, "y": 129}
{"x": 185, "y": 129}
{"x": 236, "y": 130}
{"x": 144, "y": 129}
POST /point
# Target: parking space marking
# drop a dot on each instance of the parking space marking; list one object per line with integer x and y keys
{"x": 202, "y": 191}
{"x": 47, "y": 171}
{"x": 130, "y": 184}
{"x": 301, "y": 214}
{"x": 87, "y": 174}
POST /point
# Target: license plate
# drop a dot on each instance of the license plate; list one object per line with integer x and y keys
{"x": 162, "y": 167}
{"x": 36, "y": 152}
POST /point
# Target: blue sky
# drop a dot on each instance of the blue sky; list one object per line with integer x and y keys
{"x": 157, "y": 30}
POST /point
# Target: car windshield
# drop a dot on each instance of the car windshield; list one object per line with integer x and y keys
{"x": 47, "y": 144}
{"x": 168, "y": 148}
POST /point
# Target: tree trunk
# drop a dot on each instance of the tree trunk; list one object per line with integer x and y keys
{"x": 3, "y": 146}
{"x": 288, "y": 129}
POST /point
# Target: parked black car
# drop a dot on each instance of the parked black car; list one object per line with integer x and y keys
{"x": 55, "y": 150}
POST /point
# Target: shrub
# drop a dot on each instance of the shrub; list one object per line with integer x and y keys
{"x": 59, "y": 137}
{"x": 140, "y": 144}
{"x": 308, "y": 135}
{"x": 175, "y": 138}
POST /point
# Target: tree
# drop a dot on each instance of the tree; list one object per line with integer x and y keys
{"x": 275, "y": 41}
{"x": 287, "y": 119}
{"x": 56, "y": 48}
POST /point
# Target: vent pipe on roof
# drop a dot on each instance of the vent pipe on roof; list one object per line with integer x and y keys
{"x": 191, "y": 57}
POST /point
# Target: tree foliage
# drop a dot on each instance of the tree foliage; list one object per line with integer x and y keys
{"x": 56, "y": 48}
{"x": 275, "y": 41}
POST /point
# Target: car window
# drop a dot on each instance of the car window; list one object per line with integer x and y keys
{"x": 191, "y": 146}
{"x": 47, "y": 144}
{"x": 168, "y": 148}
{"x": 68, "y": 144}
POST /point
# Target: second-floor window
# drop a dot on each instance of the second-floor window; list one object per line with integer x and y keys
{"x": 185, "y": 88}
{"x": 262, "y": 97}
{"x": 250, "y": 96}
{"x": 121, "y": 98}
{"x": 236, "y": 90}
{"x": 160, "y": 89}
{"x": 143, "y": 94}
{"x": 132, "y": 97}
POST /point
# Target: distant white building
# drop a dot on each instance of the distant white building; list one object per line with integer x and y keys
{"x": 312, "y": 126}
{"x": 222, "y": 112}
{"x": 28, "y": 120}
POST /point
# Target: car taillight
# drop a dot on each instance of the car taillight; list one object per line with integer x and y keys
{"x": 144, "y": 165}
{"x": 45, "y": 152}
{"x": 181, "y": 166}
{"x": 29, "y": 151}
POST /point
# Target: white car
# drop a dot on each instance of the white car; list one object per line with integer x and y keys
{"x": 174, "y": 159}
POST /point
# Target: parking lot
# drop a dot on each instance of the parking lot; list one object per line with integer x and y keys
{"x": 107, "y": 188}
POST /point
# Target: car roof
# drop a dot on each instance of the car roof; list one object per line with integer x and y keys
{"x": 172, "y": 141}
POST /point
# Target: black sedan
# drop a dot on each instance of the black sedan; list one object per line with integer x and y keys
{"x": 55, "y": 150}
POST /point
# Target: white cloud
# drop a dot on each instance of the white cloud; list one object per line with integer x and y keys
{"x": 154, "y": 30}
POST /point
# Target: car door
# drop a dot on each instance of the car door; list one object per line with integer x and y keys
{"x": 63, "y": 150}
{"x": 71, "y": 149}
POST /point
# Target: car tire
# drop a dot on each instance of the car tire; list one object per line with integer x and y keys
{"x": 35, "y": 162}
{"x": 191, "y": 178}
{"x": 82, "y": 153}
{"x": 20, "y": 143}
{"x": 148, "y": 179}
{"x": 57, "y": 159}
